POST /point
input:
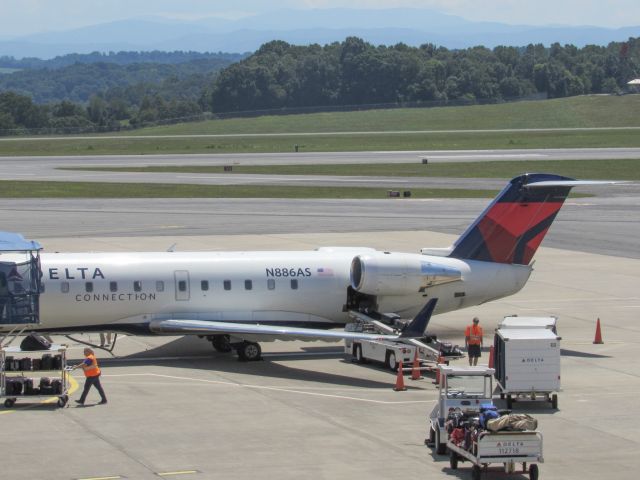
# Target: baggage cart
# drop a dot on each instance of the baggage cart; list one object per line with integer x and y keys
{"x": 22, "y": 373}
{"x": 509, "y": 448}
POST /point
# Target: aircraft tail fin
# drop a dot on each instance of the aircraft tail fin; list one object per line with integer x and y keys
{"x": 512, "y": 227}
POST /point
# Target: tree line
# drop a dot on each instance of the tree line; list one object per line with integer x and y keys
{"x": 124, "y": 92}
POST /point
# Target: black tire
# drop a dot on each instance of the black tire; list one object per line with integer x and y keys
{"x": 62, "y": 401}
{"x": 249, "y": 352}
{"x": 554, "y": 402}
{"x": 441, "y": 448}
{"x": 220, "y": 343}
{"x": 533, "y": 472}
{"x": 391, "y": 361}
{"x": 9, "y": 402}
{"x": 431, "y": 441}
{"x": 453, "y": 460}
{"x": 509, "y": 402}
{"x": 357, "y": 353}
{"x": 476, "y": 471}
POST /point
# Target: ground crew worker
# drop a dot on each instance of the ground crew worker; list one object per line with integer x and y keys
{"x": 473, "y": 341}
{"x": 92, "y": 373}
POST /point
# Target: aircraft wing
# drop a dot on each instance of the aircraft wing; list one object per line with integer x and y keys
{"x": 414, "y": 329}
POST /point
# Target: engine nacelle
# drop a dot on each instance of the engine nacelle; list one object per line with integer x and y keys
{"x": 383, "y": 273}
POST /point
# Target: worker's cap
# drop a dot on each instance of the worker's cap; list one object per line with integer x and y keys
{"x": 476, "y": 320}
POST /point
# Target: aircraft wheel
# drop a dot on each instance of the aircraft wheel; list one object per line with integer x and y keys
{"x": 221, "y": 343}
{"x": 249, "y": 352}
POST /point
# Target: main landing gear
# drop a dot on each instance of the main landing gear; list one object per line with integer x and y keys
{"x": 247, "y": 351}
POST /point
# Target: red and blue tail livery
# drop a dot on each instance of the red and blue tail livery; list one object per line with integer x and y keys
{"x": 512, "y": 227}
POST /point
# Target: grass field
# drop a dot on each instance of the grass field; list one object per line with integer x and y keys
{"x": 624, "y": 169}
{"x": 388, "y": 126}
{"x": 31, "y": 189}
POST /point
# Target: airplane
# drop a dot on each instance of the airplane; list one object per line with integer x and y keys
{"x": 237, "y": 299}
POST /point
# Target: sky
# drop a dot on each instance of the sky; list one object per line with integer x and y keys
{"x": 23, "y": 17}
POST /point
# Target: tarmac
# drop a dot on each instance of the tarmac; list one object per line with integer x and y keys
{"x": 177, "y": 409}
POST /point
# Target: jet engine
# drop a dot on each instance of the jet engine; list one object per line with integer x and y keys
{"x": 384, "y": 273}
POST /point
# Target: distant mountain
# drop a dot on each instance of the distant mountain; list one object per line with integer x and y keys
{"x": 389, "y": 26}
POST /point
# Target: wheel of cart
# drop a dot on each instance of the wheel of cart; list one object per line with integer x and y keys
{"x": 62, "y": 400}
{"x": 453, "y": 460}
{"x": 533, "y": 472}
{"x": 9, "y": 402}
{"x": 476, "y": 471}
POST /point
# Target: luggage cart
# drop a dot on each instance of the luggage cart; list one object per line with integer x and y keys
{"x": 17, "y": 375}
{"x": 508, "y": 448}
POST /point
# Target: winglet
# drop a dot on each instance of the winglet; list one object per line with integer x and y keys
{"x": 417, "y": 326}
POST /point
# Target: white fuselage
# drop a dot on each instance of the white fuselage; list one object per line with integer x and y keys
{"x": 125, "y": 291}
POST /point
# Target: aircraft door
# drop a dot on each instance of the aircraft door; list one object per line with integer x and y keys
{"x": 182, "y": 285}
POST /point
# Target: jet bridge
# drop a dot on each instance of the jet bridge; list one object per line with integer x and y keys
{"x": 20, "y": 282}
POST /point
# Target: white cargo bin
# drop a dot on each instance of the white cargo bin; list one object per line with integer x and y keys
{"x": 514, "y": 321}
{"x": 527, "y": 363}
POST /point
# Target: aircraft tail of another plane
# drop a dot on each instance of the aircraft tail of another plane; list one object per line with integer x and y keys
{"x": 512, "y": 227}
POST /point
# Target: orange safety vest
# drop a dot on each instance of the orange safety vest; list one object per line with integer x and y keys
{"x": 91, "y": 370}
{"x": 474, "y": 334}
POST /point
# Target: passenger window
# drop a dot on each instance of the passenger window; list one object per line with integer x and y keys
{"x": 159, "y": 286}
{"x": 88, "y": 287}
{"x": 113, "y": 286}
{"x": 204, "y": 285}
{"x": 271, "y": 284}
{"x": 294, "y": 284}
{"x": 248, "y": 284}
{"x": 227, "y": 284}
{"x": 182, "y": 286}
{"x": 64, "y": 287}
{"x": 137, "y": 286}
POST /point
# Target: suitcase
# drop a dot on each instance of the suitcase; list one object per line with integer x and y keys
{"x": 15, "y": 365}
{"x": 14, "y": 386}
{"x": 25, "y": 364}
{"x": 57, "y": 362}
{"x": 28, "y": 386}
{"x": 8, "y": 364}
{"x": 33, "y": 342}
{"x": 46, "y": 362}
{"x": 36, "y": 363}
{"x": 56, "y": 385}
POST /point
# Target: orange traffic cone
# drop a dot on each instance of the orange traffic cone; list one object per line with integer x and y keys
{"x": 415, "y": 369}
{"x": 491, "y": 359}
{"x": 598, "y": 338}
{"x": 400, "y": 380}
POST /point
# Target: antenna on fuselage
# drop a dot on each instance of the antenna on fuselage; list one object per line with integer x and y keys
{"x": 172, "y": 248}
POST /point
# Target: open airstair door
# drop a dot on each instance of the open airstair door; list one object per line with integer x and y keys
{"x": 20, "y": 280}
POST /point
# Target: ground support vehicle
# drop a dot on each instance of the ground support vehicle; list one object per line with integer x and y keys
{"x": 527, "y": 364}
{"x": 464, "y": 388}
{"x": 390, "y": 353}
{"x": 508, "y": 448}
{"x": 18, "y": 376}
